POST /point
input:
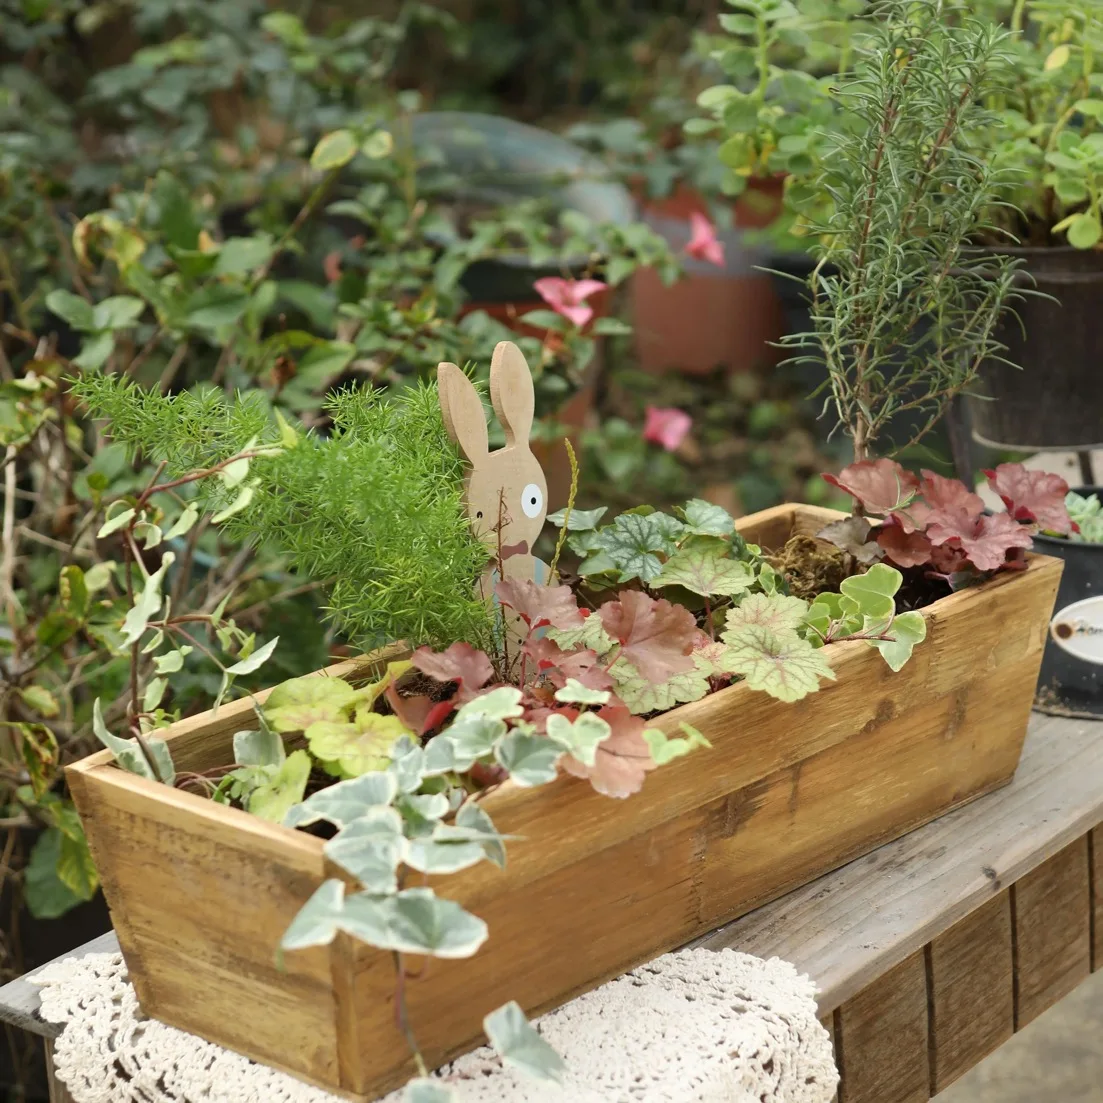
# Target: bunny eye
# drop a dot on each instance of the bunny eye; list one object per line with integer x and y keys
{"x": 532, "y": 500}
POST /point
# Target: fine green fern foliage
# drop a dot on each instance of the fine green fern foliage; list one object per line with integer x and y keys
{"x": 373, "y": 510}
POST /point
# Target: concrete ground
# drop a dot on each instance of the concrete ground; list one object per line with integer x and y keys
{"x": 1058, "y": 1058}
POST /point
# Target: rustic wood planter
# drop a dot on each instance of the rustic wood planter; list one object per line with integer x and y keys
{"x": 200, "y": 894}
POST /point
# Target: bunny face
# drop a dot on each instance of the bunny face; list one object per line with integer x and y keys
{"x": 506, "y": 490}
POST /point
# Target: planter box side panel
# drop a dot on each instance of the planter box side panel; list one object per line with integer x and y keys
{"x": 944, "y": 730}
{"x": 199, "y": 896}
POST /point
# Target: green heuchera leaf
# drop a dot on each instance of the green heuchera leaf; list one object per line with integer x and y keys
{"x": 344, "y": 802}
{"x": 703, "y": 566}
{"x": 643, "y": 696}
{"x": 520, "y": 1046}
{"x": 776, "y": 612}
{"x": 874, "y": 590}
{"x": 705, "y": 519}
{"x": 129, "y": 755}
{"x": 579, "y": 737}
{"x": 635, "y": 541}
{"x": 530, "y": 759}
{"x": 273, "y": 799}
{"x": 359, "y": 746}
{"x": 296, "y": 704}
{"x": 665, "y": 749}
{"x": 781, "y": 664}
{"x": 909, "y": 629}
{"x": 581, "y": 520}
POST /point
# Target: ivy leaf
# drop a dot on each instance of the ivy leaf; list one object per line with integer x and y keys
{"x": 581, "y": 520}
{"x": 665, "y": 749}
{"x": 874, "y": 591}
{"x": 154, "y": 691}
{"x": 344, "y": 802}
{"x": 579, "y": 737}
{"x": 296, "y": 704}
{"x": 245, "y": 496}
{"x": 530, "y": 759}
{"x": 905, "y": 549}
{"x": 881, "y": 486}
{"x": 148, "y": 604}
{"x": 129, "y": 755}
{"x": 573, "y": 692}
{"x": 705, "y": 519}
{"x": 503, "y": 703}
{"x": 835, "y": 615}
{"x": 476, "y": 825}
{"x": 656, "y": 637}
{"x": 472, "y": 738}
{"x": 433, "y": 855}
{"x": 114, "y": 523}
{"x": 776, "y": 612}
{"x": 359, "y": 746}
{"x": 317, "y": 922}
{"x": 371, "y": 849}
{"x": 781, "y": 664}
{"x": 704, "y": 567}
{"x": 539, "y": 606}
{"x": 256, "y": 660}
{"x": 461, "y": 663}
{"x": 621, "y": 760}
{"x": 273, "y": 799}
{"x": 420, "y": 922}
{"x": 634, "y": 542}
{"x": 1036, "y": 496}
{"x": 258, "y": 748}
{"x": 421, "y": 812}
{"x": 643, "y": 696}
{"x": 520, "y": 1045}
{"x": 851, "y": 534}
{"x": 908, "y": 629}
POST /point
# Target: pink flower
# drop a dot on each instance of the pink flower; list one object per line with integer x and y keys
{"x": 568, "y": 297}
{"x": 703, "y": 245}
{"x": 666, "y": 426}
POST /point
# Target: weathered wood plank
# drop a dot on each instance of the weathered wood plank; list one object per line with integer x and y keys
{"x": 828, "y": 1023}
{"x": 882, "y": 1038}
{"x": 1095, "y": 847}
{"x": 970, "y": 990}
{"x": 895, "y": 900}
{"x": 1051, "y": 906}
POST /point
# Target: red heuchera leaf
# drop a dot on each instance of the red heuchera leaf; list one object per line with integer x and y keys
{"x": 559, "y": 665}
{"x": 881, "y": 486}
{"x": 539, "y": 606}
{"x": 905, "y": 549}
{"x": 415, "y": 711}
{"x": 461, "y": 663}
{"x": 949, "y": 560}
{"x": 622, "y": 759}
{"x": 985, "y": 540}
{"x": 941, "y": 493}
{"x": 1032, "y": 495}
{"x": 655, "y": 636}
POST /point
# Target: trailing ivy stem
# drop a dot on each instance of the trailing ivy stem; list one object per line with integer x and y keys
{"x": 402, "y": 1013}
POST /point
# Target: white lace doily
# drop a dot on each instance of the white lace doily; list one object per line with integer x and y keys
{"x": 691, "y": 1027}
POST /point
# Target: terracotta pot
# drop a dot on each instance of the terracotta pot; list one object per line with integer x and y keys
{"x": 712, "y": 316}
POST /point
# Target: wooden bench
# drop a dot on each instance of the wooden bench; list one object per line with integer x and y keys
{"x": 932, "y": 951}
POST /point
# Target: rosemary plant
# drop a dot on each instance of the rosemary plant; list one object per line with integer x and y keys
{"x": 902, "y": 307}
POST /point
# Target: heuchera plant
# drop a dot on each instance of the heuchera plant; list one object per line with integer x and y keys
{"x": 939, "y": 525}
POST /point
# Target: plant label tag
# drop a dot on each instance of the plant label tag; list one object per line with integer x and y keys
{"x": 1078, "y": 629}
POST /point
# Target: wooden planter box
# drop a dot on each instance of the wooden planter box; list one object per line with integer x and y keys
{"x": 200, "y": 894}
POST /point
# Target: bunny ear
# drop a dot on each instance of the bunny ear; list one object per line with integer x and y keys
{"x": 463, "y": 413}
{"x": 511, "y": 393}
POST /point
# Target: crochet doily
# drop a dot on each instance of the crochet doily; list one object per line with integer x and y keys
{"x": 691, "y": 1027}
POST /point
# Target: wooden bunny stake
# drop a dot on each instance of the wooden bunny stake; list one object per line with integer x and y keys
{"x": 506, "y": 490}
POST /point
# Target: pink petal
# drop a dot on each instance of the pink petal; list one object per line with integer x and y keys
{"x": 666, "y": 426}
{"x": 704, "y": 245}
{"x": 583, "y": 289}
{"x": 553, "y": 290}
{"x": 579, "y": 315}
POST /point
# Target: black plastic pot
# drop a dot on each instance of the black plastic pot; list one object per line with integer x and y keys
{"x": 1071, "y": 678}
{"x": 1056, "y": 400}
